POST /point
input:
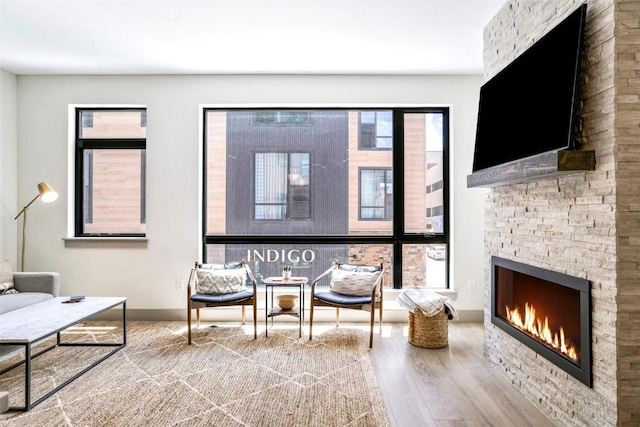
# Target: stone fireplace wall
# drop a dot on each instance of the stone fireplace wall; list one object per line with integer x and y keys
{"x": 585, "y": 225}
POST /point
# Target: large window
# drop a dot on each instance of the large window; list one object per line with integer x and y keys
{"x": 110, "y": 172}
{"x": 307, "y": 187}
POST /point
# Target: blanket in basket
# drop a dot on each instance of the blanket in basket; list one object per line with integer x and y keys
{"x": 430, "y": 303}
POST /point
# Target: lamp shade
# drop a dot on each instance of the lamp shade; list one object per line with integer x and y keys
{"x": 46, "y": 193}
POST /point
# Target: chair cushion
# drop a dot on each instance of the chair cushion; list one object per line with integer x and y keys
{"x": 222, "y": 298}
{"x": 220, "y": 281}
{"x": 334, "y": 298}
{"x": 353, "y": 282}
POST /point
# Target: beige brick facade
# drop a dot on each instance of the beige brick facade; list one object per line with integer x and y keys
{"x": 587, "y": 224}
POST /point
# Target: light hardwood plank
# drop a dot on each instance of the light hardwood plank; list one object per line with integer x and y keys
{"x": 448, "y": 387}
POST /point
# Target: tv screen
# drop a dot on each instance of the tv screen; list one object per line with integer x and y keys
{"x": 529, "y": 107}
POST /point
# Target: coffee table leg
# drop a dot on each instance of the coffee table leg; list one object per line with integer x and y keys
{"x": 124, "y": 323}
{"x": 27, "y": 377}
{"x": 300, "y": 311}
{"x": 302, "y": 304}
{"x": 266, "y": 311}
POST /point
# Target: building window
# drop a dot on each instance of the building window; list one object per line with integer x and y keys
{"x": 282, "y": 186}
{"x": 280, "y": 117}
{"x": 376, "y": 194}
{"x": 279, "y": 190}
{"x": 434, "y": 187}
{"x": 110, "y": 172}
{"x": 87, "y": 119}
{"x": 376, "y": 130}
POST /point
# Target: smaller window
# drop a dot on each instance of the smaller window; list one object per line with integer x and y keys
{"x": 435, "y": 218}
{"x": 282, "y": 189}
{"x": 434, "y": 187}
{"x": 376, "y": 194}
{"x": 376, "y": 130}
{"x": 281, "y": 117}
{"x": 87, "y": 119}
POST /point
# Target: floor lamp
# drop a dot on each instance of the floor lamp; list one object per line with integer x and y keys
{"x": 47, "y": 195}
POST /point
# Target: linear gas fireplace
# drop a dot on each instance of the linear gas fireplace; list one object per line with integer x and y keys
{"x": 547, "y": 311}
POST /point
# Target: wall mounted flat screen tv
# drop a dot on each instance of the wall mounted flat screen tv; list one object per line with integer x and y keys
{"x": 529, "y": 107}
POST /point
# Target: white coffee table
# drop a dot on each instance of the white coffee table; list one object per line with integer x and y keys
{"x": 29, "y": 325}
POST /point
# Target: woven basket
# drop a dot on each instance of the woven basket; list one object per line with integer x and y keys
{"x": 428, "y": 332}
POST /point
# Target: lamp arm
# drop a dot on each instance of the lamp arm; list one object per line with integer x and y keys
{"x": 27, "y": 206}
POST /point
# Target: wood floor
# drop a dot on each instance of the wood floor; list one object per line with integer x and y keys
{"x": 452, "y": 386}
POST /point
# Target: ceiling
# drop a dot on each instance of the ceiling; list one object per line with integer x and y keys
{"x": 243, "y": 36}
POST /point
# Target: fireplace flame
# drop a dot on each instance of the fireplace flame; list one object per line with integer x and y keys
{"x": 540, "y": 330}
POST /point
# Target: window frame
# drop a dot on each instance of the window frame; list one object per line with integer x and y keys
{"x": 398, "y": 238}
{"x": 388, "y": 216}
{"x": 288, "y": 202}
{"x": 375, "y": 146}
{"x": 82, "y": 144}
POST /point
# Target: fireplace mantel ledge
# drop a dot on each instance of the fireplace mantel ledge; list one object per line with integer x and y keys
{"x": 546, "y": 165}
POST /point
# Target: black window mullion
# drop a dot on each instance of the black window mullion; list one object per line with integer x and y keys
{"x": 87, "y": 186}
{"x": 445, "y": 175}
{"x": 205, "y": 192}
{"x": 143, "y": 186}
{"x": 445, "y": 190}
{"x": 304, "y": 239}
{"x": 398, "y": 195}
{"x": 113, "y": 144}
{"x": 79, "y": 184}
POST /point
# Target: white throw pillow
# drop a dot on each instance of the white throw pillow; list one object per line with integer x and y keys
{"x": 354, "y": 283}
{"x": 6, "y": 279}
{"x": 214, "y": 282}
{"x": 7, "y": 288}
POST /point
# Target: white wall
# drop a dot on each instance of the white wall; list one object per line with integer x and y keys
{"x": 146, "y": 274}
{"x": 8, "y": 166}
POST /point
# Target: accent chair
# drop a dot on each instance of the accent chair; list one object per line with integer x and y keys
{"x": 355, "y": 287}
{"x": 221, "y": 285}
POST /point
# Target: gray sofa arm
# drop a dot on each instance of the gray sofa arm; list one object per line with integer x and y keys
{"x": 37, "y": 282}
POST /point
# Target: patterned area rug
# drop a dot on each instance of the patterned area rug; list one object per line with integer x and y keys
{"x": 225, "y": 378}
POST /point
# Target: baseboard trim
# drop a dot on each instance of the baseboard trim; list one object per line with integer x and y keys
{"x": 232, "y": 314}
